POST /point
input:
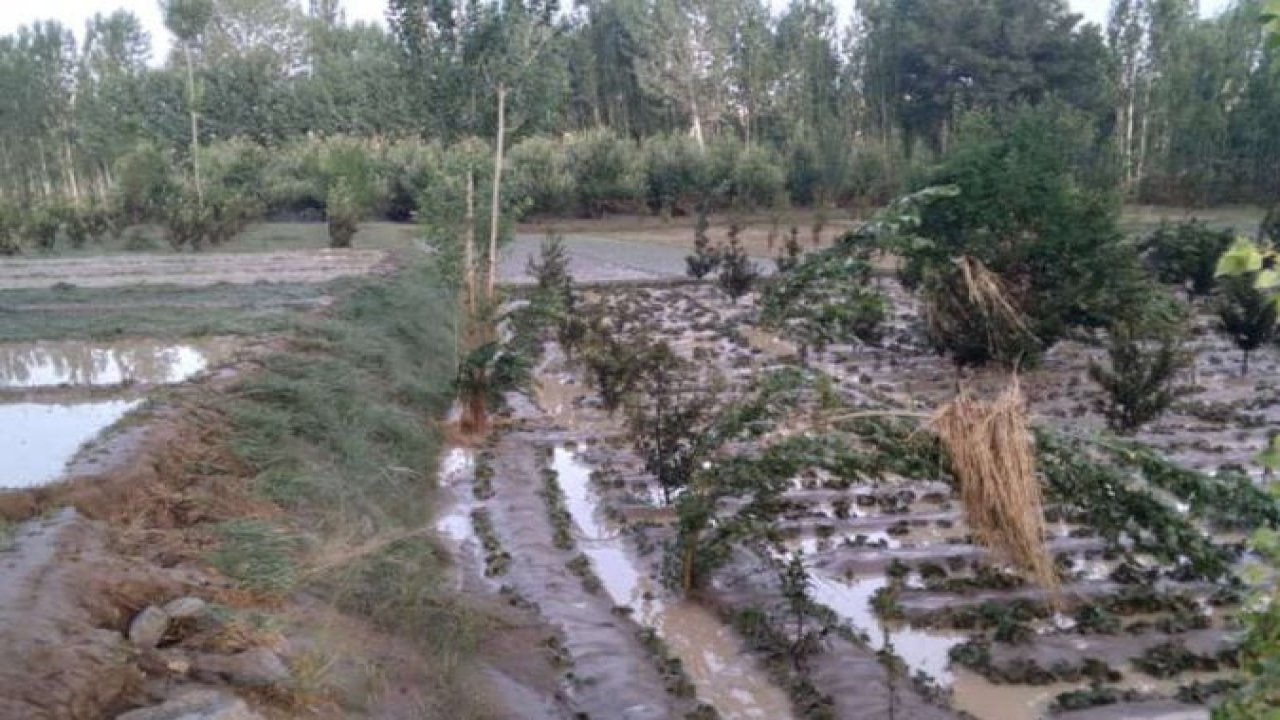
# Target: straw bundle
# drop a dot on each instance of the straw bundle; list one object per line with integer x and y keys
{"x": 991, "y": 455}
{"x": 969, "y": 314}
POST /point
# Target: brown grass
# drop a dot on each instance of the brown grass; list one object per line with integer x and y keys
{"x": 990, "y": 450}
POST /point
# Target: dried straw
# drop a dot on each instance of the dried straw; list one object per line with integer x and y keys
{"x": 991, "y": 455}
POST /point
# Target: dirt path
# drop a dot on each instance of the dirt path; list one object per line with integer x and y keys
{"x": 189, "y": 269}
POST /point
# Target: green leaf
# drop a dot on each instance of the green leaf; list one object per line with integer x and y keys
{"x": 1270, "y": 457}
{"x": 1242, "y": 257}
{"x": 1267, "y": 279}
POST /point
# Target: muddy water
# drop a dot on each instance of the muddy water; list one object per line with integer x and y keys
{"x": 456, "y": 467}
{"x": 39, "y": 438}
{"x": 726, "y": 676}
{"x": 46, "y": 364}
{"x": 921, "y": 650}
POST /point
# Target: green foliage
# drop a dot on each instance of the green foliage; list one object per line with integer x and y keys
{"x": 607, "y": 171}
{"x": 757, "y": 180}
{"x": 1186, "y": 254}
{"x": 42, "y": 224}
{"x": 262, "y": 557}
{"x": 669, "y": 419}
{"x": 826, "y": 298}
{"x": 1139, "y": 382}
{"x": 343, "y": 212}
{"x": 706, "y": 257}
{"x": 789, "y": 258}
{"x": 679, "y": 177}
{"x": 1035, "y": 207}
{"x": 1245, "y": 314}
{"x": 738, "y": 273}
{"x": 540, "y": 175}
{"x": 555, "y": 283}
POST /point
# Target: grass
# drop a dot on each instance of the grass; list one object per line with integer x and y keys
{"x": 259, "y": 237}
{"x": 340, "y": 430}
{"x": 160, "y": 311}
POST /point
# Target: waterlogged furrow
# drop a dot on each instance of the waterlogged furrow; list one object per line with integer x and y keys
{"x": 40, "y": 438}
{"x": 726, "y": 676}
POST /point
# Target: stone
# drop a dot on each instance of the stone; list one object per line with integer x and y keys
{"x": 148, "y": 627}
{"x": 258, "y": 667}
{"x": 185, "y": 608}
{"x": 196, "y": 705}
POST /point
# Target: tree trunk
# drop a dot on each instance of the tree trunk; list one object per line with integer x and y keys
{"x": 195, "y": 125}
{"x": 71, "y": 173}
{"x": 495, "y": 208}
{"x": 469, "y": 259}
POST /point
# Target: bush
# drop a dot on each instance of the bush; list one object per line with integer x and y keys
{"x": 1186, "y": 254}
{"x": 145, "y": 183}
{"x": 607, "y": 172}
{"x": 1245, "y": 314}
{"x": 706, "y": 257}
{"x": 540, "y": 176}
{"x": 1038, "y": 208}
{"x": 42, "y": 224}
{"x": 757, "y": 180}
{"x": 824, "y": 298}
{"x": 677, "y": 173}
{"x": 342, "y": 212}
{"x": 738, "y": 274}
{"x": 1138, "y": 385}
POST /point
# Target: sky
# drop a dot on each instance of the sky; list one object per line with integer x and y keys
{"x": 74, "y": 13}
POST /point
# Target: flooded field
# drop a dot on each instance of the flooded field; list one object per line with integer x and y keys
{"x": 889, "y": 556}
{"x": 82, "y": 363}
{"x": 40, "y": 438}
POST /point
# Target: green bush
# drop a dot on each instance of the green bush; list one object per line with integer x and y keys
{"x": 1138, "y": 381}
{"x": 607, "y": 171}
{"x": 1037, "y": 206}
{"x": 757, "y": 179}
{"x": 678, "y": 174}
{"x": 145, "y": 183}
{"x": 1186, "y": 254}
{"x": 540, "y": 176}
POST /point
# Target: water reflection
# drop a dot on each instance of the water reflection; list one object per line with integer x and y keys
{"x": 37, "y": 439}
{"x": 74, "y": 362}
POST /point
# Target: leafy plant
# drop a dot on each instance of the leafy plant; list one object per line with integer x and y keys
{"x": 1186, "y": 254}
{"x": 1139, "y": 382}
{"x": 669, "y": 420}
{"x": 706, "y": 257}
{"x": 343, "y": 213}
{"x": 1246, "y": 315}
{"x": 738, "y": 274}
{"x": 790, "y": 256}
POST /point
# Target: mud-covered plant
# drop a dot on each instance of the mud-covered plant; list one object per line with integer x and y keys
{"x": 1246, "y": 314}
{"x": 1138, "y": 382}
{"x": 706, "y": 257}
{"x": 483, "y": 376}
{"x": 970, "y": 315}
{"x": 571, "y": 333}
{"x": 738, "y": 273}
{"x": 615, "y": 355}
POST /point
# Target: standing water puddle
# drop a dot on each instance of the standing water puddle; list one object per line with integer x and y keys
{"x": 39, "y": 438}
{"x": 74, "y": 362}
{"x": 456, "y": 467}
{"x": 726, "y": 676}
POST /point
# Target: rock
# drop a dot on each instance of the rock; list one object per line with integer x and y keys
{"x": 148, "y": 627}
{"x": 185, "y": 608}
{"x": 196, "y": 705}
{"x": 258, "y": 667}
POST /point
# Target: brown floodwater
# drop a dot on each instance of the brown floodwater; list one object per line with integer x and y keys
{"x": 93, "y": 363}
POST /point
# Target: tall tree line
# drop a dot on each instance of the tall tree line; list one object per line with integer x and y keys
{"x": 1186, "y": 106}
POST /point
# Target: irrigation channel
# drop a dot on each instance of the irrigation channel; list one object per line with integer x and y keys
{"x": 57, "y": 397}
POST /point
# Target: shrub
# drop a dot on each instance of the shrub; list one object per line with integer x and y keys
{"x": 1038, "y": 208}
{"x": 1138, "y": 385}
{"x": 757, "y": 180}
{"x": 678, "y": 174}
{"x": 540, "y": 176}
{"x": 145, "y": 183}
{"x": 1186, "y": 254}
{"x": 706, "y": 257}
{"x": 342, "y": 211}
{"x": 738, "y": 274}
{"x": 607, "y": 172}
{"x": 1245, "y": 314}
{"x": 42, "y": 224}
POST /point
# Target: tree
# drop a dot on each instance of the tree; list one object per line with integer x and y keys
{"x": 187, "y": 20}
{"x": 1187, "y": 254}
{"x": 706, "y": 257}
{"x": 738, "y": 274}
{"x": 1036, "y": 206}
{"x": 1139, "y": 384}
{"x": 1245, "y": 314}
{"x": 669, "y": 420}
